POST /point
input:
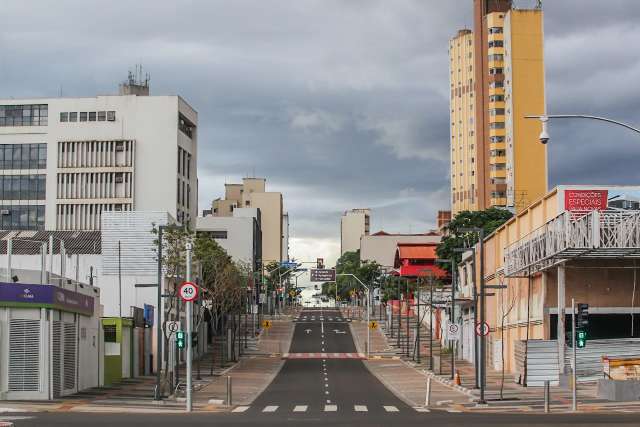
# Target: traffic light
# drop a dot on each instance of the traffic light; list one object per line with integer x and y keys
{"x": 180, "y": 339}
{"x": 582, "y": 319}
{"x": 581, "y": 338}
{"x": 194, "y": 339}
{"x": 320, "y": 263}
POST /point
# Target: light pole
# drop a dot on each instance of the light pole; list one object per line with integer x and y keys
{"x": 544, "y": 118}
{"x": 368, "y": 295}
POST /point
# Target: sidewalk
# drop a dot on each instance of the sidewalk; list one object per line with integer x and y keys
{"x": 250, "y": 375}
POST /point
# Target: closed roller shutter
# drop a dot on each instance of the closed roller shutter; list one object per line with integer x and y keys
{"x": 24, "y": 355}
{"x": 69, "y": 356}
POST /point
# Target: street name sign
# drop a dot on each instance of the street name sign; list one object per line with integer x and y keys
{"x": 188, "y": 291}
{"x": 323, "y": 275}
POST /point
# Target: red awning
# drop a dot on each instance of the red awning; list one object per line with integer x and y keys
{"x": 417, "y": 251}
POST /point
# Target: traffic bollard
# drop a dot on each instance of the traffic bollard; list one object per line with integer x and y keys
{"x": 547, "y": 399}
{"x": 427, "y": 397}
{"x": 229, "y": 396}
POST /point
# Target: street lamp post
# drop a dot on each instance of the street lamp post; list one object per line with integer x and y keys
{"x": 368, "y": 295}
{"x": 544, "y": 118}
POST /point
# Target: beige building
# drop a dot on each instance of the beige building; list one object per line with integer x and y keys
{"x": 252, "y": 194}
{"x": 353, "y": 225}
{"x": 579, "y": 242}
{"x": 496, "y": 78}
{"x": 381, "y": 247}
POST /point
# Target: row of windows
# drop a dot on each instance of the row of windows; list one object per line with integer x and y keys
{"x": 496, "y": 139}
{"x": 496, "y": 125}
{"x": 496, "y": 98}
{"x": 186, "y": 126}
{"x": 184, "y": 194}
{"x": 496, "y": 57}
{"x": 88, "y": 116}
{"x": 496, "y": 111}
{"x": 497, "y": 70}
{"x": 495, "y": 30}
{"x": 23, "y": 156}
{"x": 22, "y": 187}
{"x": 498, "y": 153}
{"x": 496, "y": 84}
{"x": 496, "y": 43}
{"x": 24, "y": 115}
{"x": 184, "y": 163}
{"x": 13, "y": 217}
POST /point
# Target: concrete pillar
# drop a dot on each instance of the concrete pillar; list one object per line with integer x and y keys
{"x": 561, "y": 317}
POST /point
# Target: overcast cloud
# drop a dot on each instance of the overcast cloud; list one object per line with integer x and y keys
{"x": 338, "y": 103}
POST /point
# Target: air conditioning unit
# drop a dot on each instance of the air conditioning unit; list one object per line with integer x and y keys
{"x": 5, "y": 212}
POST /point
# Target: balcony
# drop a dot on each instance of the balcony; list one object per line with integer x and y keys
{"x": 570, "y": 235}
{"x": 498, "y": 173}
{"x": 498, "y": 201}
{"x": 494, "y": 160}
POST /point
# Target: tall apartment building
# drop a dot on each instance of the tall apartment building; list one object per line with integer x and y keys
{"x": 252, "y": 194}
{"x": 497, "y": 160}
{"x": 353, "y": 225}
{"x": 65, "y": 161}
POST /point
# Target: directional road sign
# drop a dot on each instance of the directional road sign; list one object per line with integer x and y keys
{"x": 323, "y": 275}
{"x": 188, "y": 291}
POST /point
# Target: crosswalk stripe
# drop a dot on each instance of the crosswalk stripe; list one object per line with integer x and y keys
{"x": 419, "y": 409}
{"x": 300, "y": 408}
{"x": 240, "y": 409}
{"x": 390, "y": 408}
{"x": 271, "y": 408}
{"x": 330, "y": 408}
{"x": 360, "y": 408}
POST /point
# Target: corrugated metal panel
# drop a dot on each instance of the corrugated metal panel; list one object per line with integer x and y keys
{"x": 542, "y": 361}
{"x": 56, "y": 356}
{"x": 24, "y": 355}
{"x": 589, "y": 358}
{"x": 69, "y": 375}
{"x": 133, "y": 231}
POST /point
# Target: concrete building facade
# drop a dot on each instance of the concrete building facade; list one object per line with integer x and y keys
{"x": 381, "y": 247}
{"x": 65, "y": 161}
{"x": 353, "y": 225}
{"x": 252, "y": 194}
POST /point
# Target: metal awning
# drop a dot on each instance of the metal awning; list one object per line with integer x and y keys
{"x": 608, "y": 234}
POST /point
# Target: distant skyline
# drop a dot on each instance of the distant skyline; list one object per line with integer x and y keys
{"x": 339, "y": 104}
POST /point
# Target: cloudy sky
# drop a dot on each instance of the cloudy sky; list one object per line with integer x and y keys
{"x": 338, "y": 103}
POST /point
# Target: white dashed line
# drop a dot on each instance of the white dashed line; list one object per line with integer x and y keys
{"x": 360, "y": 408}
{"x": 271, "y": 408}
{"x": 390, "y": 408}
{"x": 240, "y": 409}
{"x": 300, "y": 408}
{"x": 330, "y": 408}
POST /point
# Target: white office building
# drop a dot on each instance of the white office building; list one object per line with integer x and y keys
{"x": 65, "y": 161}
{"x": 353, "y": 225}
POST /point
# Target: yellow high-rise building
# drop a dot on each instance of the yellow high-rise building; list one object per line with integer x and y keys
{"x": 496, "y": 158}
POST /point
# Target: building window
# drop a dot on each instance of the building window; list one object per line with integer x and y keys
{"x": 24, "y": 115}
{"x": 23, "y": 217}
{"x": 496, "y": 98}
{"x": 186, "y": 126}
{"x": 496, "y": 111}
{"x": 496, "y": 43}
{"x": 496, "y": 57}
{"x": 92, "y": 116}
{"x": 83, "y": 116}
{"x": 102, "y": 116}
{"x": 64, "y": 117}
{"x": 23, "y": 156}
{"x": 73, "y": 116}
{"x": 495, "y": 30}
{"x": 111, "y": 116}
{"x": 495, "y": 71}
{"x": 218, "y": 234}
{"x": 496, "y": 139}
{"x": 496, "y": 84}
{"x": 496, "y": 125}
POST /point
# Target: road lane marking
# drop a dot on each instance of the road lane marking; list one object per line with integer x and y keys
{"x": 300, "y": 408}
{"x": 390, "y": 408}
{"x": 454, "y": 410}
{"x": 419, "y": 409}
{"x": 240, "y": 409}
{"x": 360, "y": 408}
{"x": 270, "y": 408}
{"x": 330, "y": 408}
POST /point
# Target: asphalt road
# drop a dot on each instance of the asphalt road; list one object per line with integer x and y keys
{"x": 331, "y": 389}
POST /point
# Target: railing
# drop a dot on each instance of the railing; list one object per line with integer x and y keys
{"x": 596, "y": 234}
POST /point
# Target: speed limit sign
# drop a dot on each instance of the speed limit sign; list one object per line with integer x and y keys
{"x": 188, "y": 291}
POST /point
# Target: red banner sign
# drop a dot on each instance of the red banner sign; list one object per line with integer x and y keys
{"x": 585, "y": 200}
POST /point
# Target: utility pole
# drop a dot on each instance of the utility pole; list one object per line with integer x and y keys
{"x": 158, "y": 394}
{"x": 189, "y": 247}
{"x": 453, "y": 314}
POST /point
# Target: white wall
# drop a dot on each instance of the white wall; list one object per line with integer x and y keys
{"x": 240, "y": 236}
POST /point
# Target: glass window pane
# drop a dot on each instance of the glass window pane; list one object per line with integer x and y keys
{"x": 40, "y": 217}
{"x": 102, "y": 116}
{"x": 83, "y": 116}
{"x": 33, "y": 217}
{"x": 92, "y": 116}
{"x": 24, "y": 164}
{"x": 73, "y": 116}
{"x": 6, "y": 188}
{"x": 8, "y": 157}
{"x": 42, "y": 156}
{"x": 24, "y": 188}
{"x": 42, "y": 189}
{"x": 17, "y": 154}
{"x": 33, "y": 156}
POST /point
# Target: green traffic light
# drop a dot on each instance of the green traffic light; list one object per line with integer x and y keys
{"x": 581, "y": 339}
{"x": 180, "y": 342}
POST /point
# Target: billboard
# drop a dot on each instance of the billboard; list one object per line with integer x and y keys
{"x": 48, "y": 296}
{"x": 585, "y": 198}
{"x": 323, "y": 275}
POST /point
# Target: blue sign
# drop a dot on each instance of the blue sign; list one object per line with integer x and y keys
{"x": 149, "y": 316}
{"x": 21, "y": 294}
{"x": 289, "y": 264}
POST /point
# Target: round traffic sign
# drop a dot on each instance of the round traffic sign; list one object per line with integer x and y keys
{"x": 188, "y": 291}
{"x": 482, "y": 329}
{"x": 453, "y": 329}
